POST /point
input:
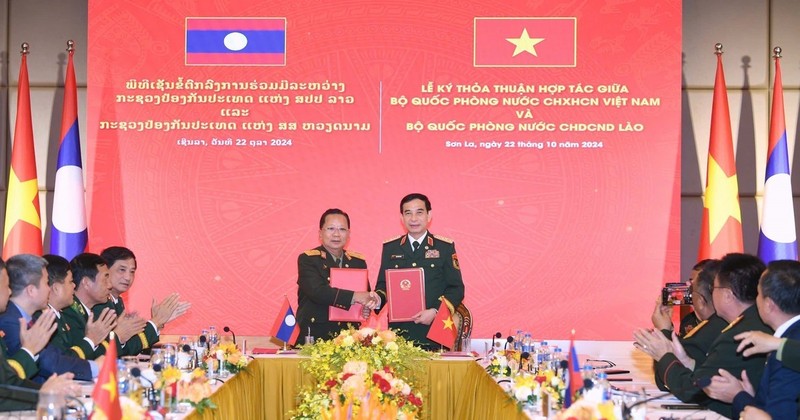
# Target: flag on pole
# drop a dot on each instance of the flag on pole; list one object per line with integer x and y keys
{"x": 105, "y": 394}
{"x": 285, "y": 327}
{"x": 777, "y": 239}
{"x": 575, "y": 377}
{"x": 69, "y": 234}
{"x": 443, "y": 329}
{"x": 721, "y": 230}
{"x": 379, "y": 321}
{"x": 22, "y": 233}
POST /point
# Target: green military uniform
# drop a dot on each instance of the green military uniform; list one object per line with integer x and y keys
{"x": 696, "y": 342}
{"x": 138, "y": 342}
{"x": 12, "y": 400}
{"x": 789, "y": 354}
{"x": 61, "y": 341}
{"x": 683, "y": 383}
{"x": 21, "y": 362}
{"x": 75, "y": 318}
{"x": 315, "y": 294}
{"x": 437, "y": 257}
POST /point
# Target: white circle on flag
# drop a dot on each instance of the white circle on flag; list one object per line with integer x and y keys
{"x": 289, "y": 320}
{"x": 778, "y": 215}
{"x": 68, "y": 201}
{"x": 235, "y": 41}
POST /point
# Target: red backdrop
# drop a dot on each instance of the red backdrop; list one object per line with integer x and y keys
{"x": 575, "y": 226}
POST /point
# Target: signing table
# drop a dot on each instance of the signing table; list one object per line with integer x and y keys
{"x": 456, "y": 388}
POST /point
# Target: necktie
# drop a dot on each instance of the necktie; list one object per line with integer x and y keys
{"x": 414, "y": 246}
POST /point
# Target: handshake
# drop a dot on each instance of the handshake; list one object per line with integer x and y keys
{"x": 369, "y": 300}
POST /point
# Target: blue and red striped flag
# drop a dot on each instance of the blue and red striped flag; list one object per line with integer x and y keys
{"x": 69, "y": 234}
{"x": 285, "y": 327}
{"x": 236, "y": 41}
{"x": 22, "y": 233}
{"x": 778, "y": 238}
{"x": 575, "y": 377}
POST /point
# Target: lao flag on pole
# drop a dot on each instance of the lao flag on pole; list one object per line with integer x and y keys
{"x": 236, "y": 41}
{"x": 22, "y": 233}
{"x": 106, "y": 394}
{"x": 721, "y": 230}
{"x": 777, "y": 239}
{"x": 285, "y": 327}
{"x": 575, "y": 377}
{"x": 69, "y": 233}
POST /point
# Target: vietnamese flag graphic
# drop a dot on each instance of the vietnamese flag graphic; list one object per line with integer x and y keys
{"x": 443, "y": 329}
{"x": 525, "y": 42}
{"x": 721, "y": 231}
{"x": 22, "y": 233}
{"x": 105, "y": 394}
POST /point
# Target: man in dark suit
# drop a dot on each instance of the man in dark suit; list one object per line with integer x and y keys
{"x": 122, "y": 272}
{"x": 30, "y": 292}
{"x": 779, "y": 306}
{"x": 734, "y": 294}
{"x": 314, "y": 293}
{"x": 436, "y": 255}
{"x": 13, "y": 399}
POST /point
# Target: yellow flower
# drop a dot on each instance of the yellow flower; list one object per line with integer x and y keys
{"x": 348, "y": 341}
{"x": 392, "y": 346}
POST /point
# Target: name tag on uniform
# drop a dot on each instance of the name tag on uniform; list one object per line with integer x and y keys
{"x": 396, "y": 257}
{"x": 432, "y": 253}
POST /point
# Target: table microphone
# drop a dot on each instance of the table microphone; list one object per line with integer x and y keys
{"x": 509, "y": 340}
{"x": 152, "y": 397}
{"x": 626, "y": 409}
{"x": 188, "y": 349}
{"x": 226, "y": 329}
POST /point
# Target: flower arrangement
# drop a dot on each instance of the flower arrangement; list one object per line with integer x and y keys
{"x": 189, "y": 387}
{"x": 131, "y": 410}
{"x": 528, "y": 388}
{"x": 231, "y": 357}
{"x": 363, "y": 373}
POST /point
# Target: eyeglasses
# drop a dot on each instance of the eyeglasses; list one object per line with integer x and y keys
{"x": 332, "y": 229}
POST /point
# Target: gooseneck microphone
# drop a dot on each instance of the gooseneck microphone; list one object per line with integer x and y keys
{"x": 228, "y": 330}
{"x": 188, "y": 349}
{"x": 494, "y": 337}
{"x": 509, "y": 340}
{"x": 153, "y": 398}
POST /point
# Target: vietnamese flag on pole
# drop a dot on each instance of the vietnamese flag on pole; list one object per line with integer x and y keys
{"x": 443, "y": 329}
{"x": 721, "y": 231}
{"x": 379, "y": 321}
{"x": 22, "y": 233}
{"x": 105, "y": 394}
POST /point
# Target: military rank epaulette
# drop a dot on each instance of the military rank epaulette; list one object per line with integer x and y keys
{"x": 443, "y": 239}
{"x": 355, "y": 255}
{"x": 313, "y": 252}
{"x": 733, "y": 323}
{"x": 393, "y": 239}
{"x": 696, "y": 329}
{"x": 78, "y": 307}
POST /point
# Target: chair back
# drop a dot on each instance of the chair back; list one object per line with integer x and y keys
{"x": 463, "y": 322}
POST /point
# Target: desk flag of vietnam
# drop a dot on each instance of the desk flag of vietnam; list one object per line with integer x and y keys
{"x": 721, "y": 231}
{"x": 22, "y": 233}
{"x": 105, "y": 394}
{"x": 443, "y": 329}
{"x": 285, "y": 327}
{"x": 778, "y": 238}
{"x": 69, "y": 234}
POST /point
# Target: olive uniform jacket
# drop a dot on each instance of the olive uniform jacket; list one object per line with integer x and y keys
{"x": 138, "y": 342}
{"x": 696, "y": 342}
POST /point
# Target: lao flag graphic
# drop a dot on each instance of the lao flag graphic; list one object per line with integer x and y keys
{"x": 236, "y": 41}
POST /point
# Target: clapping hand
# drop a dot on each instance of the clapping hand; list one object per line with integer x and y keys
{"x": 38, "y": 335}
{"x": 97, "y": 329}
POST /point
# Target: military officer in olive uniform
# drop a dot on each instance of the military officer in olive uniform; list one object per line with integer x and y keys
{"x": 314, "y": 292}
{"x": 436, "y": 255}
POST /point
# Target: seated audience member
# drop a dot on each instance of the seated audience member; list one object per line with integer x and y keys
{"x": 734, "y": 292}
{"x": 662, "y": 315}
{"x": 698, "y": 341}
{"x": 12, "y": 400}
{"x": 22, "y": 339}
{"x": 62, "y": 288}
{"x": 314, "y": 292}
{"x": 29, "y": 294}
{"x": 90, "y": 274}
{"x": 779, "y": 306}
{"x": 122, "y": 270}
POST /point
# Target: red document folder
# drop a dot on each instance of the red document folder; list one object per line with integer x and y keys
{"x": 405, "y": 291}
{"x": 354, "y": 279}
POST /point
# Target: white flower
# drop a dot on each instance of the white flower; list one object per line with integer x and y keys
{"x": 355, "y": 367}
{"x": 392, "y": 346}
{"x": 348, "y": 341}
{"x": 376, "y": 340}
{"x": 366, "y": 331}
{"x": 522, "y": 393}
